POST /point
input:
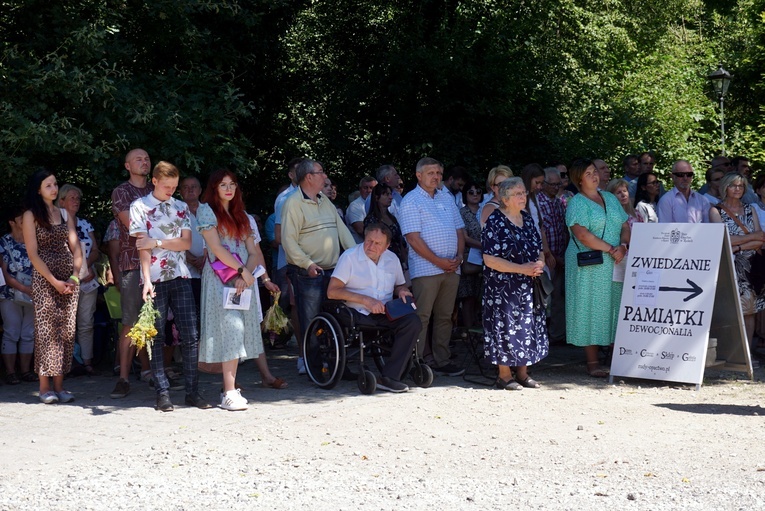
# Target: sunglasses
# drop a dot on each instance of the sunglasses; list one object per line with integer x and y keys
{"x": 683, "y": 174}
{"x": 564, "y": 174}
{"x": 474, "y": 192}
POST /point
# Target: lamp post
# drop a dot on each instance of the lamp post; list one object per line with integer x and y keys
{"x": 720, "y": 82}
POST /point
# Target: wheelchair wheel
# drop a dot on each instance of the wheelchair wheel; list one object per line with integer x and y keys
{"x": 421, "y": 374}
{"x": 324, "y": 351}
{"x": 367, "y": 382}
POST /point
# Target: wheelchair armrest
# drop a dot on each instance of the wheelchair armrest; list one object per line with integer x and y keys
{"x": 339, "y": 310}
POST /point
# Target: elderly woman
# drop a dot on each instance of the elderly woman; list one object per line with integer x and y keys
{"x": 746, "y": 236}
{"x": 70, "y": 198}
{"x": 621, "y": 190}
{"x": 646, "y": 196}
{"x": 496, "y": 176}
{"x": 597, "y": 222}
{"x": 514, "y": 327}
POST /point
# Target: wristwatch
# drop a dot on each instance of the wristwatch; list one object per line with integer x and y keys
{"x": 240, "y": 270}
{"x": 159, "y": 243}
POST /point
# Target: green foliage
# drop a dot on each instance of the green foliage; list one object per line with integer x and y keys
{"x": 249, "y": 84}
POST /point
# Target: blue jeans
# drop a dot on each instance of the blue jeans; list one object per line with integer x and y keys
{"x": 310, "y": 293}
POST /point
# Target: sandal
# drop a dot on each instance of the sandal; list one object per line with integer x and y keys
{"x": 507, "y": 385}
{"x": 277, "y": 384}
{"x": 594, "y": 370}
{"x": 529, "y": 383}
{"x": 12, "y": 379}
{"x": 30, "y": 377}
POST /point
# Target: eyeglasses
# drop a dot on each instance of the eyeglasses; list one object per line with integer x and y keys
{"x": 474, "y": 192}
{"x": 229, "y": 186}
{"x": 736, "y": 186}
{"x": 682, "y": 174}
{"x": 564, "y": 174}
{"x": 554, "y": 185}
{"x": 519, "y": 194}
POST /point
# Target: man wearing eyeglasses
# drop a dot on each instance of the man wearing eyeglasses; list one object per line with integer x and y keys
{"x": 681, "y": 204}
{"x": 311, "y": 234}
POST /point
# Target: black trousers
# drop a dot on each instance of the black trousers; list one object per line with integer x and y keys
{"x": 406, "y": 329}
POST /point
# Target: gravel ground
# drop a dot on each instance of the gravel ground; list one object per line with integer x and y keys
{"x": 577, "y": 444}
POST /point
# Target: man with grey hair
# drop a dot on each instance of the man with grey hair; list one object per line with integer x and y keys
{"x": 387, "y": 174}
{"x": 355, "y": 214}
{"x": 311, "y": 234}
{"x": 681, "y": 204}
{"x": 604, "y": 172}
{"x": 434, "y": 230}
{"x": 554, "y": 222}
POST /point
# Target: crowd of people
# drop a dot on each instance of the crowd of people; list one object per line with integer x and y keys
{"x": 527, "y": 256}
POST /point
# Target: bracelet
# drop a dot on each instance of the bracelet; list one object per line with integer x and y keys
{"x": 266, "y": 280}
{"x": 75, "y": 278}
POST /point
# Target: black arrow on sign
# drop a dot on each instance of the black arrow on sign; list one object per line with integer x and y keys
{"x": 695, "y": 290}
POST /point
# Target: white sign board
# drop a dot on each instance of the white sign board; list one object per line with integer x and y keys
{"x": 668, "y": 300}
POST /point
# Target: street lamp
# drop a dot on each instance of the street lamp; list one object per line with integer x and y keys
{"x": 720, "y": 82}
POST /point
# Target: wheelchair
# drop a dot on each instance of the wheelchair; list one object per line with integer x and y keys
{"x": 332, "y": 338}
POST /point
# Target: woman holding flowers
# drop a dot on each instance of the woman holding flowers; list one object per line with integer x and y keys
{"x": 54, "y": 250}
{"x": 229, "y": 335}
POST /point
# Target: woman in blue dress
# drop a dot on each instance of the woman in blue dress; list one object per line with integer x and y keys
{"x": 515, "y": 332}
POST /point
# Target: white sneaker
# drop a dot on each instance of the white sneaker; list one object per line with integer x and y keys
{"x": 49, "y": 397}
{"x": 301, "y": 366}
{"x": 233, "y": 401}
{"x": 65, "y": 396}
{"x": 239, "y": 391}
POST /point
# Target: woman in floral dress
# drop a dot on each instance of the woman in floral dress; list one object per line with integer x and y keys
{"x": 229, "y": 335}
{"x": 514, "y": 328}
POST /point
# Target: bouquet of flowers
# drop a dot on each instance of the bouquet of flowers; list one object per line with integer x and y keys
{"x": 275, "y": 321}
{"x": 143, "y": 332}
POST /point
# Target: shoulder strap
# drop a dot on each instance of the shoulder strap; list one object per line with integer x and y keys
{"x": 733, "y": 217}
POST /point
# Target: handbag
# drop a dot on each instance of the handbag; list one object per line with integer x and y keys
{"x": 591, "y": 257}
{"x": 542, "y": 290}
{"x": 225, "y": 272}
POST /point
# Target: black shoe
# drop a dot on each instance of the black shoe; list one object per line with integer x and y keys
{"x": 164, "y": 404}
{"x": 449, "y": 370}
{"x": 198, "y": 401}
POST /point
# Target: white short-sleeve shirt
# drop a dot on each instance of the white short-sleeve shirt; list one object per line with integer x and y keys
{"x": 361, "y": 275}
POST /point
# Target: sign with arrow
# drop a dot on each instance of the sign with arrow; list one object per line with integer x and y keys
{"x": 668, "y": 303}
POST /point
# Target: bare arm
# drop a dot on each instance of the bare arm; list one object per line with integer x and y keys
{"x": 30, "y": 240}
{"x": 74, "y": 244}
{"x": 337, "y": 291}
{"x": 751, "y": 241}
{"x": 143, "y": 242}
{"x": 532, "y": 268}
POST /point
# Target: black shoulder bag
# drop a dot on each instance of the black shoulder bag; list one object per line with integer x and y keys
{"x": 591, "y": 257}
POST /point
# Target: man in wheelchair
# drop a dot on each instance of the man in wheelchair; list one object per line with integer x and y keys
{"x": 366, "y": 277}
